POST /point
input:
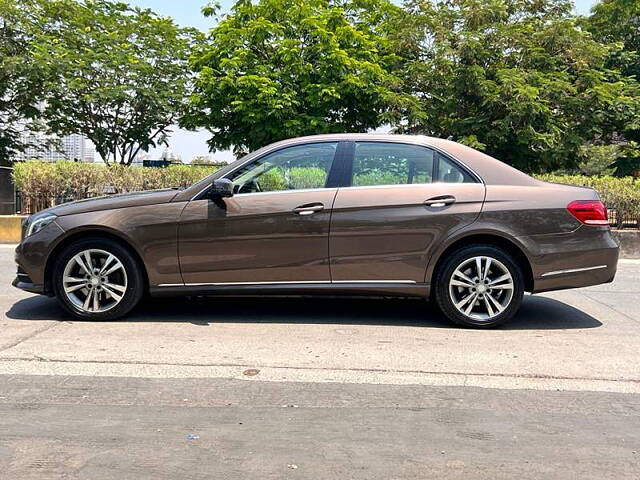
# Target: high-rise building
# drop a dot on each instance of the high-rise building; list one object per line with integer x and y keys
{"x": 45, "y": 147}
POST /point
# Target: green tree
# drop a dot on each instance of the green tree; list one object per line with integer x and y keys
{"x": 618, "y": 21}
{"x": 20, "y": 85}
{"x": 112, "y": 72}
{"x": 515, "y": 78}
{"x": 275, "y": 69}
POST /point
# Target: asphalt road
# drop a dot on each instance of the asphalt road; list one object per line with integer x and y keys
{"x": 314, "y": 389}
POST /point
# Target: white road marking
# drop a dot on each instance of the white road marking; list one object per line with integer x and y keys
{"x": 312, "y": 375}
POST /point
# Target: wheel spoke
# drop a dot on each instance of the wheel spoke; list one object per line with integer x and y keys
{"x": 113, "y": 286}
{"x": 466, "y": 299}
{"x": 117, "y": 266}
{"x": 458, "y": 283}
{"x": 106, "y": 264}
{"x": 87, "y": 301}
{"x": 87, "y": 258}
{"x": 96, "y": 301}
{"x": 75, "y": 287}
{"x": 495, "y": 302}
{"x": 479, "y": 267}
{"x": 489, "y": 308}
{"x": 506, "y": 276}
{"x": 470, "y": 305}
{"x": 506, "y": 286}
{"x": 460, "y": 274}
{"x": 74, "y": 280}
{"x": 111, "y": 292}
{"x": 487, "y": 267}
{"x": 79, "y": 260}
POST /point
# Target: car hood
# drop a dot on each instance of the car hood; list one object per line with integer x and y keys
{"x": 136, "y": 199}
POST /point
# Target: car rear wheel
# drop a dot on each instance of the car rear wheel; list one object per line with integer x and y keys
{"x": 479, "y": 286}
{"x": 97, "y": 279}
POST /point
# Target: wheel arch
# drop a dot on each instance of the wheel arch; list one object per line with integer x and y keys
{"x": 484, "y": 238}
{"x": 97, "y": 232}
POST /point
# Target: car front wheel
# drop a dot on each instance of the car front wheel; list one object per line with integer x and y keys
{"x": 97, "y": 279}
{"x": 479, "y": 286}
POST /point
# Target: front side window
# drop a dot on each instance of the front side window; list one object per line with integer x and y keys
{"x": 293, "y": 168}
{"x": 377, "y": 163}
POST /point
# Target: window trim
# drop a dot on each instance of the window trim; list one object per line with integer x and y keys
{"x": 348, "y": 171}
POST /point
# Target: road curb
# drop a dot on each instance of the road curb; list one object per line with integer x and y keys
{"x": 629, "y": 241}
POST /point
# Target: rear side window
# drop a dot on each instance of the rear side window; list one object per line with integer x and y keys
{"x": 377, "y": 163}
{"x": 449, "y": 172}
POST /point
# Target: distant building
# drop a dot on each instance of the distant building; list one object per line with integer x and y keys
{"x": 50, "y": 148}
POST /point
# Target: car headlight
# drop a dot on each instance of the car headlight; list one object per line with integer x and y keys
{"x": 37, "y": 222}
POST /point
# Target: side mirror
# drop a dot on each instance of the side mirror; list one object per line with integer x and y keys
{"x": 222, "y": 187}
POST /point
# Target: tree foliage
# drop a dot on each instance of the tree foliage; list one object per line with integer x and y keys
{"x": 618, "y": 21}
{"x": 114, "y": 73}
{"x": 275, "y": 69}
{"x": 517, "y": 79}
{"x": 20, "y": 81}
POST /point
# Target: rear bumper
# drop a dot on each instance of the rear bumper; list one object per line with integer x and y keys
{"x": 575, "y": 278}
{"x": 587, "y": 256}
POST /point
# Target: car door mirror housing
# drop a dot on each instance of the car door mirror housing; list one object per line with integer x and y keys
{"x": 222, "y": 187}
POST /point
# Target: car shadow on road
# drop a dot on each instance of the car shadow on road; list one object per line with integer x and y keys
{"x": 536, "y": 313}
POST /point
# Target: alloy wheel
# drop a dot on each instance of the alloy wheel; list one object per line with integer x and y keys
{"x": 94, "y": 280}
{"x": 481, "y": 287}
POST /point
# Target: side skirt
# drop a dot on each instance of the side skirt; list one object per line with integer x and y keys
{"x": 382, "y": 289}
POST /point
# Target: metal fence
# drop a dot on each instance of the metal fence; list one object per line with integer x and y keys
{"x": 7, "y": 191}
{"x": 620, "y": 221}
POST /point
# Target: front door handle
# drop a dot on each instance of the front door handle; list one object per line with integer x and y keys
{"x": 441, "y": 201}
{"x": 308, "y": 209}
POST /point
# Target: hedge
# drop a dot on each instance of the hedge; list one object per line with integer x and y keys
{"x": 43, "y": 184}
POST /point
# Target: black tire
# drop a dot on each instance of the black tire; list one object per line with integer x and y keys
{"x": 135, "y": 280}
{"x": 456, "y": 258}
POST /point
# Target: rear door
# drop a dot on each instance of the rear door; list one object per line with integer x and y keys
{"x": 402, "y": 200}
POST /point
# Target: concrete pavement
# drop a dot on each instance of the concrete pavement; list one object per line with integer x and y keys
{"x": 278, "y": 388}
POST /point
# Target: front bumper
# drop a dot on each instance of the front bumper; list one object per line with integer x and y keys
{"x": 31, "y": 256}
{"x": 27, "y": 286}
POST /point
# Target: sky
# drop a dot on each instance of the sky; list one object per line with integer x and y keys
{"x": 187, "y": 13}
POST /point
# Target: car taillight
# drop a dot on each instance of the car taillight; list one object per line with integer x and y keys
{"x": 590, "y": 212}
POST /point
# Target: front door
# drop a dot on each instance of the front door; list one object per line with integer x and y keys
{"x": 273, "y": 230}
{"x": 403, "y": 200}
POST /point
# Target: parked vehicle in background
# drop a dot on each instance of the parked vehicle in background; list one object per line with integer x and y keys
{"x": 354, "y": 214}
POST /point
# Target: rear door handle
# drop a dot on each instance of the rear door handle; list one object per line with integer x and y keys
{"x": 308, "y": 209}
{"x": 441, "y": 201}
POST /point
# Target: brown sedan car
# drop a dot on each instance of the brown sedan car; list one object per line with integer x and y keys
{"x": 353, "y": 214}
